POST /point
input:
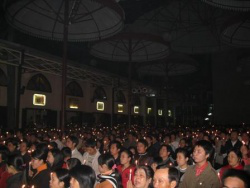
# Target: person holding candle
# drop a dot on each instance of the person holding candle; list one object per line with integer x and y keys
{"x": 16, "y": 168}
{"x": 143, "y": 178}
{"x": 126, "y": 169}
{"x": 38, "y": 162}
{"x": 109, "y": 177}
{"x": 60, "y": 178}
{"x": 143, "y": 157}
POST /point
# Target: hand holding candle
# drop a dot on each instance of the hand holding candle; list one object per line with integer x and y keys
{"x": 130, "y": 173}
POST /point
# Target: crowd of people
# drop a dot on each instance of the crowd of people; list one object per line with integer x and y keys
{"x": 118, "y": 156}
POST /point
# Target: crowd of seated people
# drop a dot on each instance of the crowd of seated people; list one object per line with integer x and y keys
{"x": 122, "y": 157}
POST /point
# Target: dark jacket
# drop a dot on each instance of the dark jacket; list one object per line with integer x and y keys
{"x": 16, "y": 180}
{"x": 41, "y": 180}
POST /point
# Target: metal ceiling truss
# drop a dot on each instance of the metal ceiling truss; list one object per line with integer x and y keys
{"x": 11, "y": 54}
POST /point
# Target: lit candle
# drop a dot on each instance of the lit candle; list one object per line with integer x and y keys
{"x": 130, "y": 173}
{"x": 84, "y": 161}
{"x": 243, "y": 142}
{"x": 29, "y": 165}
{"x": 51, "y": 174}
{"x": 218, "y": 174}
{"x": 23, "y": 186}
{"x": 33, "y": 186}
{"x": 146, "y": 164}
{"x": 170, "y": 164}
{"x": 136, "y": 162}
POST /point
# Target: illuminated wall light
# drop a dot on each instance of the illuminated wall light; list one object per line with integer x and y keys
{"x": 73, "y": 103}
{"x": 169, "y": 113}
{"x": 39, "y": 100}
{"x": 149, "y": 110}
{"x": 160, "y": 112}
{"x": 136, "y": 109}
{"x": 120, "y": 108}
{"x": 100, "y": 106}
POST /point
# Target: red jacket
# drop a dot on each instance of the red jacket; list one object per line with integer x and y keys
{"x": 125, "y": 174}
{"x": 225, "y": 168}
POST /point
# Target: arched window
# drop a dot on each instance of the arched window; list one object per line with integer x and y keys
{"x": 119, "y": 97}
{"x": 39, "y": 82}
{"x": 3, "y": 78}
{"x": 74, "y": 89}
{"x": 99, "y": 94}
{"x": 135, "y": 100}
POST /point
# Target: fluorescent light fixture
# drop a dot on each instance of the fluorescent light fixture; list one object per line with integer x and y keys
{"x": 100, "y": 106}
{"x": 149, "y": 110}
{"x": 120, "y": 108}
{"x": 160, "y": 112}
{"x": 39, "y": 100}
{"x": 136, "y": 109}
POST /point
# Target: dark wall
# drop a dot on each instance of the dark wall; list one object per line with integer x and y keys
{"x": 230, "y": 95}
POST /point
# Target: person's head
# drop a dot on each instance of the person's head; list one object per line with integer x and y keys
{"x": 166, "y": 177}
{"x": 115, "y": 148}
{"x": 164, "y": 151}
{"x": 53, "y": 145}
{"x": 244, "y": 150}
{"x": 156, "y": 161}
{"x": 234, "y": 157}
{"x": 71, "y": 163}
{"x": 15, "y": 164}
{"x": 106, "y": 163}
{"x": 12, "y": 144}
{"x": 38, "y": 157}
{"x": 245, "y": 137}
{"x": 133, "y": 150}
{"x": 23, "y": 146}
{"x": 233, "y": 178}
{"x": 55, "y": 158}
{"x": 143, "y": 177}
{"x": 66, "y": 152}
{"x": 182, "y": 157}
{"x": 142, "y": 146}
{"x": 90, "y": 146}
{"x": 203, "y": 150}
{"x": 126, "y": 157}
{"x": 149, "y": 140}
{"x": 82, "y": 176}
{"x": 3, "y": 154}
{"x": 234, "y": 135}
{"x": 72, "y": 142}
{"x": 182, "y": 143}
{"x": 60, "y": 178}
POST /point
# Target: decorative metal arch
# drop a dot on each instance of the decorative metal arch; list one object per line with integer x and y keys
{"x": 99, "y": 94}
{"x": 74, "y": 89}
{"x": 119, "y": 97}
{"x": 3, "y": 78}
{"x": 39, "y": 82}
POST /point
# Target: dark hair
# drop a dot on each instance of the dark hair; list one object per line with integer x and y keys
{"x": 40, "y": 153}
{"x": 236, "y": 151}
{"x": 241, "y": 174}
{"x": 53, "y": 145}
{"x": 157, "y": 160}
{"x": 72, "y": 162}
{"x": 109, "y": 161}
{"x": 58, "y": 159}
{"x": 207, "y": 146}
{"x": 74, "y": 139}
{"x": 117, "y": 143}
{"x": 183, "y": 151}
{"x": 63, "y": 176}
{"x": 147, "y": 169}
{"x": 85, "y": 176}
{"x": 66, "y": 152}
{"x": 13, "y": 141}
{"x": 144, "y": 142}
{"x": 4, "y": 153}
{"x": 90, "y": 143}
{"x": 173, "y": 173}
{"x": 129, "y": 153}
{"x": 16, "y": 161}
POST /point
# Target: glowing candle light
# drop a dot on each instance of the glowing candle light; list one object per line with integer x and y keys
{"x": 51, "y": 174}
{"x": 130, "y": 173}
{"x": 146, "y": 164}
{"x": 243, "y": 142}
{"x": 136, "y": 162}
{"x": 84, "y": 161}
{"x": 29, "y": 165}
{"x": 33, "y": 186}
{"x": 23, "y": 186}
